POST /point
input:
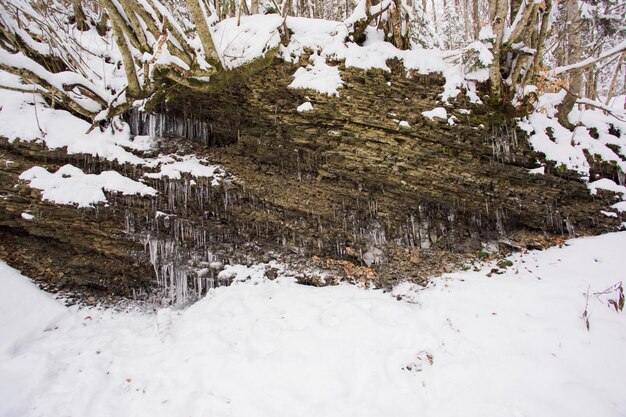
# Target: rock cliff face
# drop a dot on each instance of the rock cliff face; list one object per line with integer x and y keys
{"x": 344, "y": 187}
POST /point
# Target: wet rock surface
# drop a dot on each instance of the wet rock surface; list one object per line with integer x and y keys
{"x": 344, "y": 191}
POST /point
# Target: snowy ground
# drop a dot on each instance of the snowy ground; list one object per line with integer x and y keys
{"x": 505, "y": 345}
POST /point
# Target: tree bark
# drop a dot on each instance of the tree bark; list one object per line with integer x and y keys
{"x": 133, "y": 91}
{"x": 476, "y": 19}
{"x": 498, "y": 10}
{"x": 609, "y": 94}
{"x": 515, "y": 5}
{"x": 130, "y": 8}
{"x": 541, "y": 39}
{"x": 573, "y": 29}
{"x": 79, "y": 16}
{"x": 466, "y": 18}
{"x": 197, "y": 15}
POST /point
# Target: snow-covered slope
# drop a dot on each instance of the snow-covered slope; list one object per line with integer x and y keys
{"x": 469, "y": 345}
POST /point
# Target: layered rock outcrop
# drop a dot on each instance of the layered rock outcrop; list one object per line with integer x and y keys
{"x": 363, "y": 185}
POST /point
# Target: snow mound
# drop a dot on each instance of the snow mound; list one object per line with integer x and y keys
{"x": 304, "y": 107}
{"x": 438, "y": 112}
{"x": 70, "y": 185}
{"x": 320, "y": 77}
{"x": 489, "y": 345}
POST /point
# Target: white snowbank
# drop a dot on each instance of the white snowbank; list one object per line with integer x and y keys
{"x": 621, "y": 206}
{"x": 506, "y": 345}
{"x": 70, "y": 185}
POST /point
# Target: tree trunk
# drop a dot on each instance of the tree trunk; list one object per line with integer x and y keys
{"x": 394, "y": 30}
{"x": 101, "y": 26}
{"x": 541, "y": 39}
{"x": 79, "y": 16}
{"x": 573, "y": 30}
{"x": 130, "y": 9}
{"x": 133, "y": 90}
{"x": 476, "y": 19}
{"x": 609, "y": 94}
{"x": 197, "y": 15}
{"x": 498, "y": 10}
{"x": 466, "y": 19}
{"x": 515, "y": 5}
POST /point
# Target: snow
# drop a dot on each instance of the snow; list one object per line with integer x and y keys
{"x": 173, "y": 166}
{"x": 70, "y": 185}
{"x": 238, "y": 45}
{"x": 306, "y": 106}
{"x": 36, "y": 122}
{"x": 609, "y": 213}
{"x": 258, "y": 34}
{"x": 485, "y": 57}
{"x": 22, "y": 116}
{"x": 606, "y": 184}
{"x": 555, "y": 142}
{"x": 57, "y": 80}
{"x": 404, "y": 123}
{"x": 486, "y": 33}
{"x": 621, "y": 206}
{"x": 568, "y": 148}
{"x": 438, "y": 112}
{"x": 320, "y": 77}
{"x": 469, "y": 344}
{"x": 27, "y": 216}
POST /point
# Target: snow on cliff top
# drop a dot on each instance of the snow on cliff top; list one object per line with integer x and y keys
{"x": 469, "y": 344}
{"x": 238, "y": 45}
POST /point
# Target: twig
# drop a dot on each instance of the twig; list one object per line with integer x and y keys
{"x": 43, "y": 133}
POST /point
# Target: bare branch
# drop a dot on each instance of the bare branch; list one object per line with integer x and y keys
{"x": 621, "y": 47}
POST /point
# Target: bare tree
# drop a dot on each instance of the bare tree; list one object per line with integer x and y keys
{"x": 498, "y": 10}
{"x": 476, "y": 19}
{"x": 574, "y": 48}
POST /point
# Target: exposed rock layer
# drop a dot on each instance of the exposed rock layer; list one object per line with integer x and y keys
{"x": 340, "y": 187}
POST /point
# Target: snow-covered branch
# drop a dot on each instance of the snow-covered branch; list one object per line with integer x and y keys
{"x": 621, "y": 47}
